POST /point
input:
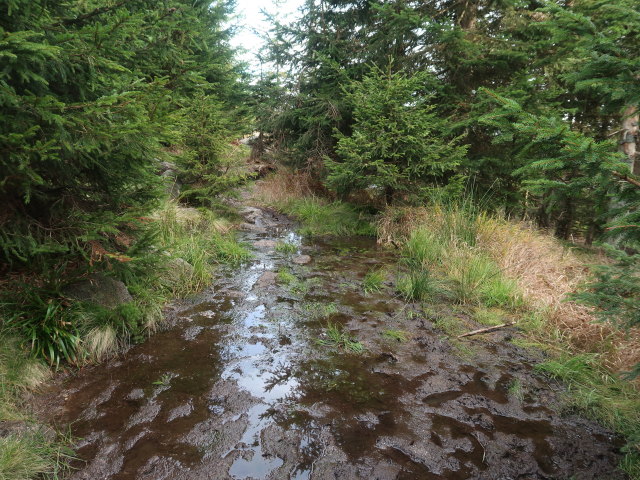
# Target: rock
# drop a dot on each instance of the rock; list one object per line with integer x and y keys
{"x": 265, "y": 244}
{"x": 234, "y": 294}
{"x": 249, "y": 140}
{"x": 164, "y": 167}
{"x": 188, "y": 216}
{"x": 250, "y": 227}
{"x": 262, "y": 169}
{"x": 301, "y": 259}
{"x": 266, "y": 279}
{"x": 178, "y": 270}
{"x": 172, "y": 186}
{"x": 99, "y": 289}
{"x": 135, "y": 394}
{"x": 251, "y": 214}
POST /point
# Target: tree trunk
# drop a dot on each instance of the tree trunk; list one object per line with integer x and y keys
{"x": 468, "y": 14}
{"x": 564, "y": 224}
{"x": 629, "y": 136}
{"x": 389, "y": 192}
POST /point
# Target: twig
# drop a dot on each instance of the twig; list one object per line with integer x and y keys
{"x": 486, "y": 330}
{"x": 627, "y": 178}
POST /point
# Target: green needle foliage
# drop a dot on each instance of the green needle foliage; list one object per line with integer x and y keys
{"x": 94, "y": 94}
{"x": 397, "y": 140}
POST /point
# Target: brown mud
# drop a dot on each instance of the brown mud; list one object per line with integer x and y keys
{"x": 238, "y": 387}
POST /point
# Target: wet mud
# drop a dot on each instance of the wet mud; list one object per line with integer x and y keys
{"x": 238, "y": 387}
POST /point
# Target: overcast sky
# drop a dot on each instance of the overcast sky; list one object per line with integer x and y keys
{"x": 253, "y": 24}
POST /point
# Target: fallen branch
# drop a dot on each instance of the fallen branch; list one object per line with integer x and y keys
{"x": 486, "y": 330}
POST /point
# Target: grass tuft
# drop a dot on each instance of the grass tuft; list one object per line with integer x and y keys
{"x": 101, "y": 343}
{"x": 286, "y": 248}
{"x": 285, "y": 277}
{"x": 595, "y": 393}
{"x": 397, "y": 335}
{"x": 450, "y": 325}
{"x": 420, "y": 286}
{"x": 318, "y": 216}
{"x": 516, "y": 390}
{"x": 199, "y": 238}
{"x": 319, "y": 310}
{"x": 32, "y": 455}
{"x": 336, "y": 337}
{"x": 489, "y": 317}
{"x": 373, "y": 281}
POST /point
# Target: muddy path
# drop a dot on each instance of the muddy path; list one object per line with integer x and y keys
{"x": 239, "y": 387}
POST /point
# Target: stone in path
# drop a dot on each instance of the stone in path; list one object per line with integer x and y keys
{"x": 301, "y": 259}
{"x": 265, "y": 243}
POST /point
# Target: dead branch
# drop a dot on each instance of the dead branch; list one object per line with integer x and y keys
{"x": 486, "y": 330}
{"x": 627, "y": 178}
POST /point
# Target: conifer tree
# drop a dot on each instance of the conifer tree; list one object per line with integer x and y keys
{"x": 397, "y": 142}
{"x": 91, "y": 93}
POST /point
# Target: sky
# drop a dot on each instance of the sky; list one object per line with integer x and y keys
{"x": 253, "y": 24}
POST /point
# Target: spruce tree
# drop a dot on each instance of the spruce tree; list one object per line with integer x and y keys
{"x": 397, "y": 143}
{"x": 91, "y": 93}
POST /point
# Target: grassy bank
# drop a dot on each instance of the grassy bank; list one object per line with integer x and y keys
{"x": 494, "y": 270}
{"x": 179, "y": 250}
{"x": 27, "y": 449}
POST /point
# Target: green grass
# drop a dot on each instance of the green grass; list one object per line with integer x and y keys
{"x": 294, "y": 284}
{"x": 286, "y": 248}
{"x": 424, "y": 249}
{"x": 489, "y": 317}
{"x": 319, "y": 310}
{"x": 32, "y": 455}
{"x": 164, "y": 380}
{"x": 448, "y": 250}
{"x": 373, "y": 281}
{"x": 516, "y": 390}
{"x": 28, "y": 453}
{"x": 450, "y": 325}
{"x": 462, "y": 349}
{"x": 320, "y": 217}
{"x": 595, "y": 393}
{"x": 336, "y": 337}
{"x": 285, "y": 277}
{"x": 397, "y": 335}
{"x": 420, "y": 286}
{"x": 200, "y": 238}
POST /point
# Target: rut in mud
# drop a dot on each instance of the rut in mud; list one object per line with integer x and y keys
{"x": 239, "y": 387}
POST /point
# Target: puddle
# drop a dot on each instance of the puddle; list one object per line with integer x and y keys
{"x": 239, "y": 387}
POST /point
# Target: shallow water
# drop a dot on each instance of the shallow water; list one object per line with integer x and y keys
{"x": 238, "y": 387}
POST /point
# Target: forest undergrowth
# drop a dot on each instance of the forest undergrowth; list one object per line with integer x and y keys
{"x": 189, "y": 243}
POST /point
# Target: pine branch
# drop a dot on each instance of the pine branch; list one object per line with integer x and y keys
{"x": 93, "y": 13}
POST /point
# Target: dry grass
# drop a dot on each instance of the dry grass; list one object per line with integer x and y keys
{"x": 101, "y": 343}
{"x": 545, "y": 270}
{"x": 396, "y": 224}
{"x": 284, "y": 186}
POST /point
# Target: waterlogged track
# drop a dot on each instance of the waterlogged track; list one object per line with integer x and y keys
{"x": 239, "y": 388}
